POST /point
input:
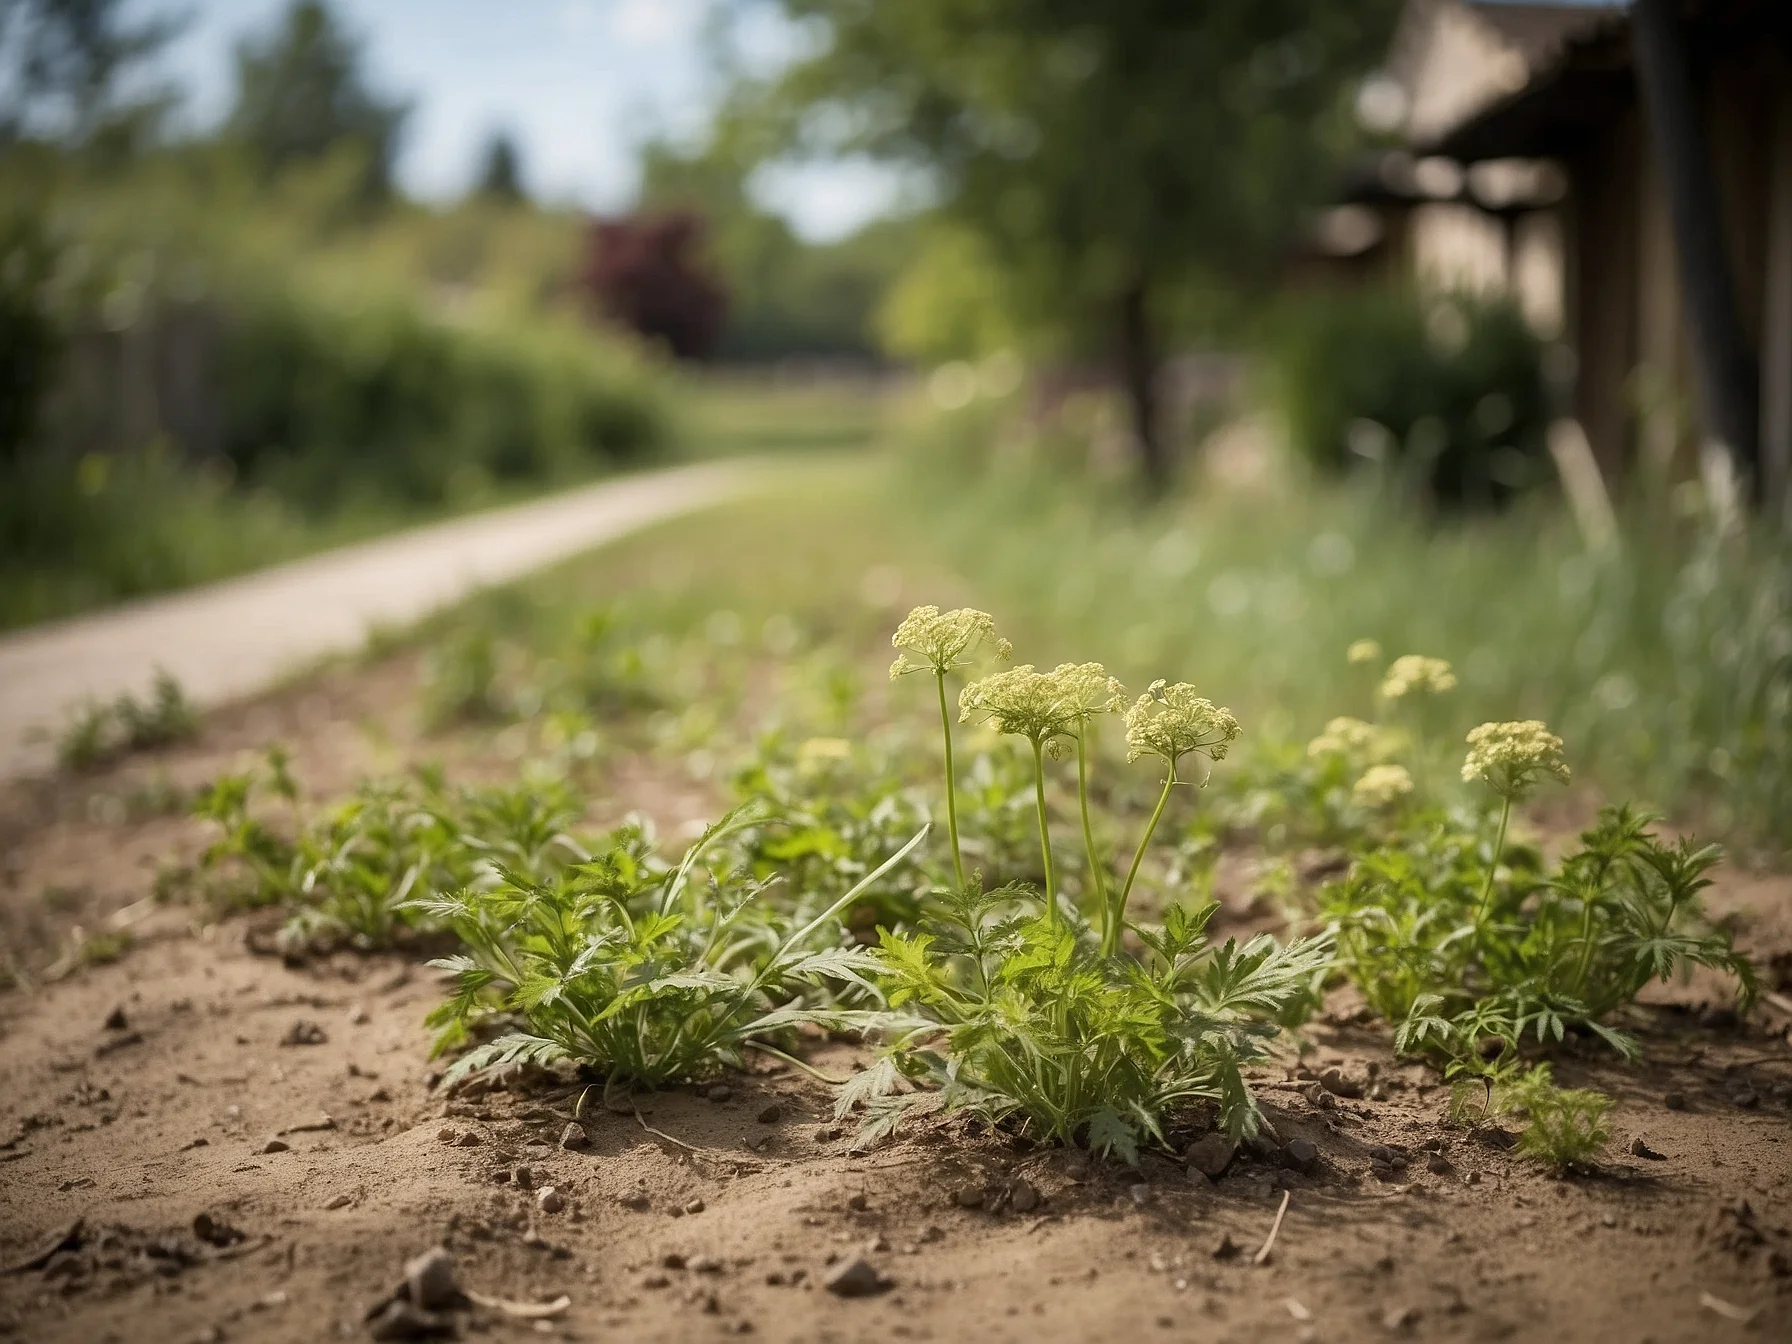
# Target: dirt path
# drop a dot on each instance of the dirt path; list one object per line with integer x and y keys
{"x": 230, "y": 639}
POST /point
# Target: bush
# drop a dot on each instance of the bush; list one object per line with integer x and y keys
{"x": 1447, "y": 394}
{"x": 326, "y": 400}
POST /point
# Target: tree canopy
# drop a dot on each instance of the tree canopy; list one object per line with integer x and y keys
{"x": 1105, "y": 152}
{"x": 301, "y": 90}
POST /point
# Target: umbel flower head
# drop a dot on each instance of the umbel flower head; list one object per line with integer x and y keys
{"x": 1087, "y": 690}
{"x": 1172, "y": 721}
{"x": 1381, "y": 786}
{"x": 1414, "y": 672}
{"x": 1357, "y": 741}
{"x": 1512, "y": 758}
{"x": 1021, "y": 701}
{"x": 930, "y": 640}
{"x": 1363, "y": 651}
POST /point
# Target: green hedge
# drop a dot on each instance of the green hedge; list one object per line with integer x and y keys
{"x": 1447, "y": 393}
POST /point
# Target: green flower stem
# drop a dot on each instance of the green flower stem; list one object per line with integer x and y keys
{"x": 951, "y": 783}
{"x": 1499, "y": 845}
{"x": 1045, "y": 837}
{"x": 1110, "y": 942}
{"x": 1097, "y": 879}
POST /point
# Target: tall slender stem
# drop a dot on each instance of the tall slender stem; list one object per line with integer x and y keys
{"x": 939, "y": 678}
{"x": 1111, "y": 940}
{"x": 1097, "y": 878}
{"x": 1499, "y": 844}
{"x": 1045, "y": 836}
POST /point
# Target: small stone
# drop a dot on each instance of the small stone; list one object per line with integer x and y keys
{"x": 216, "y": 1231}
{"x": 705, "y": 1264}
{"x": 448, "y": 1134}
{"x": 877, "y": 1245}
{"x": 116, "y": 1020}
{"x": 633, "y": 1199}
{"x": 672, "y": 1260}
{"x": 523, "y": 1176}
{"x": 720, "y": 1093}
{"x": 276, "y": 1146}
{"x": 337, "y": 1202}
{"x": 694, "y": 1206}
{"x": 1335, "y": 1082}
{"x": 1225, "y": 1248}
{"x": 969, "y": 1196}
{"x": 429, "y": 1280}
{"x": 828, "y": 1133}
{"x": 770, "y": 1115}
{"x": 1022, "y": 1196}
{"x": 1640, "y": 1148}
{"x": 549, "y": 1200}
{"x": 1139, "y": 1193}
{"x": 357, "y": 1015}
{"x": 655, "y": 1281}
{"x": 1674, "y": 1101}
{"x": 304, "y": 1033}
{"x": 858, "y": 1203}
{"x": 856, "y": 1277}
{"x": 1301, "y": 1154}
{"x": 574, "y": 1135}
{"x": 1400, "y": 1319}
{"x": 1211, "y": 1155}
{"x": 470, "y": 1139}
{"x": 1438, "y": 1165}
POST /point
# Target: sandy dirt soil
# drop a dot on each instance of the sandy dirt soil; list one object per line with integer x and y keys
{"x": 201, "y": 1142}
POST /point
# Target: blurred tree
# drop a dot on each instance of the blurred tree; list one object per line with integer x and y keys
{"x": 301, "y": 91}
{"x": 787, "y": 296}
{"x": 63, "y": 65}
{"x": 500, "y": 175}
{"x": 645, "y": 273}
{"x": 1107, "y": 152}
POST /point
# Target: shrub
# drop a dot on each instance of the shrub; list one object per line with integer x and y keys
{"x": 1447, "y": 393}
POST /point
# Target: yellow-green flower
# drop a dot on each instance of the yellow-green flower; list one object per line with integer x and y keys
{"x": 1512, "y": 758}
{"x": 1363, "y": 651}
{"x": 1172, "y": 721}
{"x": 1086, "y": 689}
{"x": 1021, "y": 701}
{"x": 1355, "y": 740}
{"x": 1415, "y": 672}
{"x": 1381, "y": 786}
{"x": 929, "y": 640}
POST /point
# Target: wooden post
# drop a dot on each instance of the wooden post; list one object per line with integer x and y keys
{"x": 1721, "y": 357}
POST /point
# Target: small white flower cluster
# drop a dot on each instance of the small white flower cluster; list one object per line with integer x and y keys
{"x": 929, "y": 640}
{"x": 1512, "y": 758}
{"x": 1415, "y": 672}
{"x": 1381, "y": 787}
{"x": 1172, "y": 721}
{"x": 1042, "y": 706}
{"x": 1355, "y": 740}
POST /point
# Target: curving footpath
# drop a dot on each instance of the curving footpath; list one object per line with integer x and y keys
{"x": 231, "y": 639}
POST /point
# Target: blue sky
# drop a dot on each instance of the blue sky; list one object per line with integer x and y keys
{"x": 579, "y": 83}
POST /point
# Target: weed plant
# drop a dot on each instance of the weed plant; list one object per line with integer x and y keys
{"x": 101, "y": 733}
{"x": 644, "y": 973}
{"x": 1563, "y": 1127}
{"x": 1019, "y": 1007}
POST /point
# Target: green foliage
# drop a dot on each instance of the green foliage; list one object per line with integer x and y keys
{"x": 1663, "y": 661}
{"x": 1563, "y": 1127}
{"x": 1012, "y": 1015}
{"x": 1468, "y": 962}
{"x": 301, "y": 91}
{"x": 101, "y": 733}
{"x": 1445, "y": 396}
{"x": 637, "y": 969}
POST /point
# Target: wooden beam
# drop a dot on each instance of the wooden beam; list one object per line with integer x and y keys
{"x": 1722, "y": 359}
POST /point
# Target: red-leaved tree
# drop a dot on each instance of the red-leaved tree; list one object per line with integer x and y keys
{"x": 644, "y": 272}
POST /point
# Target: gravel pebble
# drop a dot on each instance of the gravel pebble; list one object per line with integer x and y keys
{"x": 856, "y": 1277}
{"x": 574, "y": 1136}
{"x": 549, "y": 1200}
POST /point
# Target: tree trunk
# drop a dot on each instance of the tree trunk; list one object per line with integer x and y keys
{"x": 1138, "y": 373}
{"x": 1722, "y": 361}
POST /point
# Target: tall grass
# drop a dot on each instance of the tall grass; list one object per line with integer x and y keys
{"x": 1666, "y": 664}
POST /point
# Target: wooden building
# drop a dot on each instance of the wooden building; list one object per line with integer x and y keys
{"x": 1539, "y": 161}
